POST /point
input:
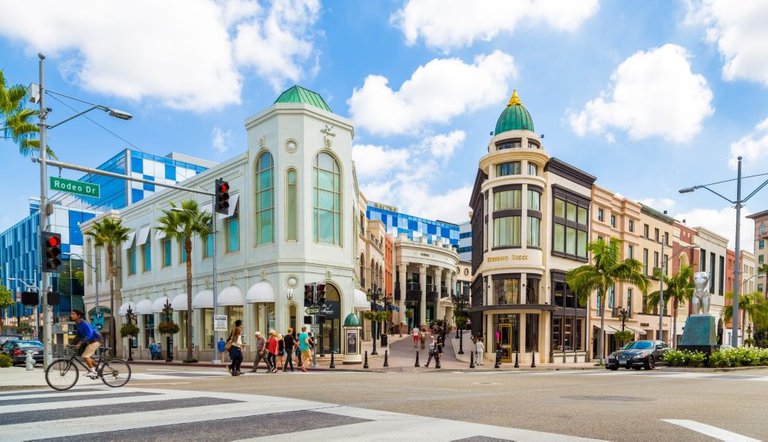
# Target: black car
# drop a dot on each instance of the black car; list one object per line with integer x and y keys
{"x": 637, "y": 354}
{"x": 17, "y": 350}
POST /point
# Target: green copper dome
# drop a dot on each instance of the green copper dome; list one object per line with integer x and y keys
{"x": 514, "y": 117}
{"x": 352, "y": 321}
{"x": 297, "y": 94}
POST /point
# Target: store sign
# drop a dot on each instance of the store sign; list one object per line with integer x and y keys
{"x": 220, "y": 323}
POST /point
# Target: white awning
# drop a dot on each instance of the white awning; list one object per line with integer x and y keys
{"x": 144, "y": 307}
{"x": 203, "y": 299}
{"x": 232, "y": 206}
{"x": 123, "y": 310}
{"x": 360, "y": 300}
{"x": 143, "y": 236}
{"x": 230, "y": 296}
{"x": 159, "y": 304}
{"x": 260, "y": 292}
{"x": 179, "y": 302}
{"x": 129, "y": 242}
{"x": 639, "y": 332}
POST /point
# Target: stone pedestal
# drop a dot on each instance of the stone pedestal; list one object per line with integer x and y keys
{"x": 700, "y": 334}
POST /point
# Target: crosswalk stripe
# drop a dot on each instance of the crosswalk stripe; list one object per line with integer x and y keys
{"x": 709, "y": 430}
{"x": 62, "y": 398}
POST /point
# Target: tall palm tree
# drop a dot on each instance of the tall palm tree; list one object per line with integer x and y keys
{"x": 752, "y": 305}
{"x": 6, "y": 300}
{"x": 678, "y": 288}
{"x": 182, "y": 223}
{"x": 606, "y": 270}
{"x": 16, "y": 119}
{"x": 110, "y": 233}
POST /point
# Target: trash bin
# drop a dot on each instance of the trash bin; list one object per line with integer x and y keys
{"x": 383, "y": 341}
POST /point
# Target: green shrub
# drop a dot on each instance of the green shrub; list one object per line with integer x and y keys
{"x": 674, "y": 358}
{"x": 5, "y": 361}
{"x": 129, "y": 329}
{"x": 696, "y": 358}
{"x": 737, "y": 357}
{"x": 168, "y": 328}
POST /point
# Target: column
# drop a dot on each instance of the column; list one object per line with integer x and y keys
{"x": 438, "y": 279}
{"x": 423, "y": 303}
{"x": 402, "y": 271}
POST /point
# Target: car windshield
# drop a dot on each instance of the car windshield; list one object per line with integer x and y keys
{"x": 639, "y": 345}
{"x": 28, "y": 344}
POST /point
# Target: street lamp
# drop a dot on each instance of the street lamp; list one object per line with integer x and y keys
{"x": 129, "y": 316}
{"x": 44, "y": 196}
{"x": 458, "y": 298}
{"x": 167, "y": 315}
{"x": 623, "y": 314}
{"x": 373, "y": 295}
{"x": 738, "y": 203}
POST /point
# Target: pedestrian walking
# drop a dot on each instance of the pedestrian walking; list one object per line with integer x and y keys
{"x": 261, "y": 352}
{"x": 289, "y": 342}
{"x": 423, "y": 337}
{"x": 235, "y": 342}
{"x": 272, "y": 347}
{"x": 306, "y": 355}
{"x": 433, "y": 351}
{"x": 280, "y": 352}
{"x": 480, "y": 350}
{"x": 415, "y": 337}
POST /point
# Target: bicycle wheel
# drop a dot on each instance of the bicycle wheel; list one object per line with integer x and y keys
{"x": 115, "y": 373}
{"x": 62, "y": 374}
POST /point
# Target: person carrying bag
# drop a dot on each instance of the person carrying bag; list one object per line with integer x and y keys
{"x": 234, "y": 347}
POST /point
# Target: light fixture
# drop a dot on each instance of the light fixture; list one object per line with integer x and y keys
{"x": 290, "y": 293}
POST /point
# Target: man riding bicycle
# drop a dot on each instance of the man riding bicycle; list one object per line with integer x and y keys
{"x": 89, "y": 338}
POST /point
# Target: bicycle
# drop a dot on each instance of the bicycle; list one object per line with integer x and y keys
{"x": 63, "y": 373}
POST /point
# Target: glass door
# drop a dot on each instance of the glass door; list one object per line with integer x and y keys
{"x": 505, "y": 342}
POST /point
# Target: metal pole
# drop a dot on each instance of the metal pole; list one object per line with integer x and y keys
{"x": 216, "y": 359}
{"x": 47, "y": 355}
{"x": 735, "y": 331}
{"x": 661, "y": 291}
{"x": 98, "y": 276}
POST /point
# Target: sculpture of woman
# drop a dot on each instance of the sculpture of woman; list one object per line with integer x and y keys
{"x": 700, "y": 300}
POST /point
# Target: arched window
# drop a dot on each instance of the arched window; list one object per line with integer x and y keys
{"x": 265, "y": 202}
{"x": 291, "y": 206}
{"x": 326, "y": 200}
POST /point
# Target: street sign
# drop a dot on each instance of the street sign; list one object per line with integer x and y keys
{"x": 313, "y": 310}
{"x": 76, "y": 187}
{"x": 315, "y": 329}
{"x": 220, "y": 322}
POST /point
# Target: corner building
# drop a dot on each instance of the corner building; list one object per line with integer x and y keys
{"x": 530, "y": 225}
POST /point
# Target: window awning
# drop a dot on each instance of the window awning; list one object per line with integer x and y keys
{"x": 129, "y": 242}
{"x": 360, "y": 300}
{"x": 179, "y": 302}
{"x": 144, "y": 307}
{"x": 203, "y": 299}
{"x": 159, "y": 304}
{"x": 609, "y": 330}
{"x": 260, "y": 292}
{"x": 123, "y": 310}
{"x": 637, "y": 331}
{"x": 230, "y": 296}
{"x": 143, "y": 236}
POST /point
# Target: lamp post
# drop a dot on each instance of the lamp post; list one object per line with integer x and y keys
{"x": 129, "y": 316}
{"x": 374, "y": 294}
{"x": 661, "y": 288}
{"x": 623, "y": 314}
{"x": 44, "y": 197}
{"x": 167, "y": 312}
{"x": 738, "y": 203}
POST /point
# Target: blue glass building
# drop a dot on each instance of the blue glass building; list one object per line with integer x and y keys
{"x": 396, "y": 223}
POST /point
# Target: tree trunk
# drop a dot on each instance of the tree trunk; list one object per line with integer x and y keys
{"x": 112, "y": 324}
{"x": 188, "y": 248}
{"x": 601, "y": 338}
{"x": 674, "y": 325}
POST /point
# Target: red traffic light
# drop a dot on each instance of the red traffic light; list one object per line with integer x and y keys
{"x": 224, "y": 187}
{"x": 53, "y": 241}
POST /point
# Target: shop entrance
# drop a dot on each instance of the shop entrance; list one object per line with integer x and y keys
{"x": 505, "y": 342}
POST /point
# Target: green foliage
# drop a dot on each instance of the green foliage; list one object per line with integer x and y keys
{"x": 5, "y": 361}
{"x": 129, "y": 329}
{"x": 409, "y": 314}
{"x": 624, "y": 336}
{"x": 461, "y": 322}
{"x": 738, "y": 357}
{"x": 749, "y": 342}
{"x": 16, "y": 120}
{"x": 6, "y": 298}
{"x": 168, "y": 328}
{"x": 679, "y": 358}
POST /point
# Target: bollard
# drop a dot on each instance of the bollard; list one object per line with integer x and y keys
{"x": 498, "y": 359}
{"x": 471, "y": 359}
{"x": 417, "y": 359}
{"x": 533, "y": 359}
{"x": 332, "y": 364}
{"x": 516, "y": 363}
{"x": 365, "y": 365}
{"x": 30, "y": 361}
{"x": 386, "y": 358}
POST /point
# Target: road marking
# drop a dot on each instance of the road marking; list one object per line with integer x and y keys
{"x": 709, "y": 430}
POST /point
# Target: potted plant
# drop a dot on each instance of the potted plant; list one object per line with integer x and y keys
{"x": 129, "y": 330}
{"x": 168, "y": 328}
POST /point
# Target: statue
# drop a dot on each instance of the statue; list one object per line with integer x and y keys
{"x": 700, "y": 300}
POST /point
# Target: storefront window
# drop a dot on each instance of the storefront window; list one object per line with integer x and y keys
{"x": 531, "y": 332}
{"x": 207, "y": 315}
{"x": 507, "y": 291}
{"x": 149, "y": 329}
{"x": 508, "y": 199}
{"x": 506, "y": 231}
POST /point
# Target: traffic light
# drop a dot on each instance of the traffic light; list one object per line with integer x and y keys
{"x": 320, "y": 294}
{"x": 308, "y": 319}
{"x": 222, "y": 196}
{"x": 30, "y": 298}
{"x": 308, "y": 297}
{"x": 51, "y": 249}
{"x": 321, "y": 319}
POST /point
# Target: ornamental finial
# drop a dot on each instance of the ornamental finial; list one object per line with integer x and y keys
{"x": 514, "y": 100}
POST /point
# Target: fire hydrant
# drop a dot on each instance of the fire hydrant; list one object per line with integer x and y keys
{"x": 30, "y": 361}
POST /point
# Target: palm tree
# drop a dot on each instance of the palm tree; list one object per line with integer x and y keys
{"x": 752, "y": 304}
{"x": 6, "y": 300}
{"x": 607, "y": 269}
{"x": 678, "y": 288}
{"x": 181, "y": 224}
{"x": 15, "y": 118}
{"x": 110, "y": 233}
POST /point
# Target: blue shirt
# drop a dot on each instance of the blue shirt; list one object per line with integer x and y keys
{"x": 303, "y": 341}
{"x": 87, "y": 333}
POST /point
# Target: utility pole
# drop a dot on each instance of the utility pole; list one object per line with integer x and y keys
{"x": 47, "y": 354}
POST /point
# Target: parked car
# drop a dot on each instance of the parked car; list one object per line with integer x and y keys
{"x": 4, "y": 338}
{"x": 637, "y": 354}
{"x": 17, "y": 350}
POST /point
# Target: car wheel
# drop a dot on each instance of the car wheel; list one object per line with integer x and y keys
{"x": 636, "y": 367}
{"x": 649, "y": 364}
{"x": 613, "y": 368}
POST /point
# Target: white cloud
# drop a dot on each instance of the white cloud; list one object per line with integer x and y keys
{"x": 185, "y": 54}
{"x": 738, "y": 28}
{"x": 652, "y": 93}
{"x": 435, "y": 93}
{"x": 753, "y": 147}
{"x": 447, "y": 24}
{"x": 660, "y": 204}
{"x": 220, "y": 139}
{"x": 722, "y": 222}
{"x": 443, "y": 145}
{"x": 375, "y": 160}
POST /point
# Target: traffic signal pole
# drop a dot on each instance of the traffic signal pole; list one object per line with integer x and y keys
{"x": 47, "y": 316}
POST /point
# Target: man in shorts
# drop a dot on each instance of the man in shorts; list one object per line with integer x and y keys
{"x": 89, "y": 337}
{"x": 306, "y": 353}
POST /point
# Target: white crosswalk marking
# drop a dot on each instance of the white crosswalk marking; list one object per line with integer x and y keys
{"x": 133, "y": 413}
{"x": 709, "y": 430}
{"x": 656, "y": 374}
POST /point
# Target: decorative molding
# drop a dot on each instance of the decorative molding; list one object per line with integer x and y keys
{"x": 262, "y": 141}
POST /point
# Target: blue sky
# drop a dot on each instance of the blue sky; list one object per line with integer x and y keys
{"x": 649, "y": 97}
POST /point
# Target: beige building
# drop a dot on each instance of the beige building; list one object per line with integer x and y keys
{"x": 761, "y": 251}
